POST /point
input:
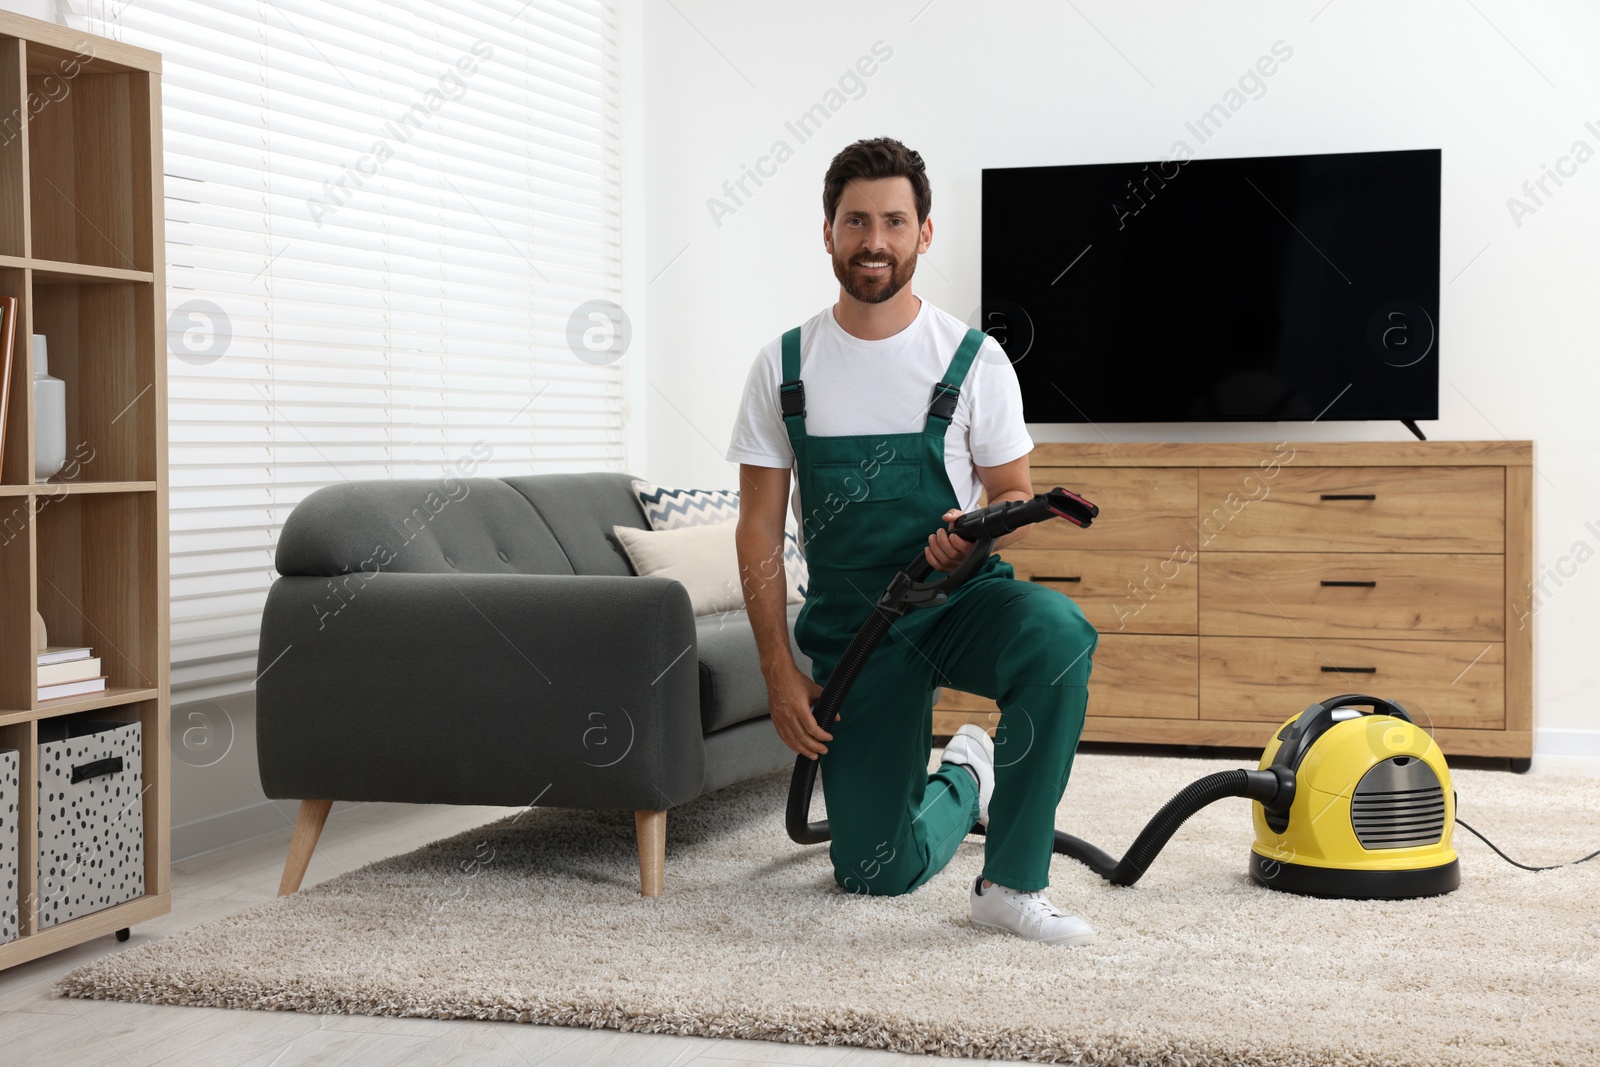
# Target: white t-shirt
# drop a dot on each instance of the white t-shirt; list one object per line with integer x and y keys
{"x": 866, "y": 387}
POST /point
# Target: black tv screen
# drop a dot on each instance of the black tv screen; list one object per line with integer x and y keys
{"x": 1271, "y": 288}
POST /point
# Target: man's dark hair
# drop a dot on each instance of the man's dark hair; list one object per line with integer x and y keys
{"x": 880, "y": 157}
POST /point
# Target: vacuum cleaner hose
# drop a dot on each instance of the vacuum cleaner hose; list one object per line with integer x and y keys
{"x": 1265, "y": 786}
{"x": 825, "y": 710}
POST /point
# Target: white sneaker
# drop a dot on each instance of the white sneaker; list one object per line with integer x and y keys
{"x": 1028, "y": 915}
{"x": 971, "y": 747}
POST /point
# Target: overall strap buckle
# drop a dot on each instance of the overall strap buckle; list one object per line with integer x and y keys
{"x": 792, "y": 395}
{"x": 943, "y": 404}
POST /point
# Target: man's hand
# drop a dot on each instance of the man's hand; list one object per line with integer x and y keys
{"x": 946, "y": 551}
{"x": 790, "y": 694}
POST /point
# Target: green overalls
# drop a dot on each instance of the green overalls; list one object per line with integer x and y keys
{"x": 868, "y": 503}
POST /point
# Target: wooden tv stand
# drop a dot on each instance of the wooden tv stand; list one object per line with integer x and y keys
{"x": 1235, "y": 583}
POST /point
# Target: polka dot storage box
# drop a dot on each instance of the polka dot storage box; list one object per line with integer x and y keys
{"x": 91, "y": 817}
{"x": 10, "y": 815}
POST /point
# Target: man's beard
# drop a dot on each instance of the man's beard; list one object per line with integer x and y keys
{"x": 876, "y": 290}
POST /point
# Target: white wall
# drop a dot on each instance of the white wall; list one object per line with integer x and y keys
{"x": 39, "y": 9}
{"x": 1501, "y": 87}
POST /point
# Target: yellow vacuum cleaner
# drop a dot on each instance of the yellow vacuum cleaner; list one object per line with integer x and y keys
{"x": 1348, "y": 804}
{"x": 1372, "y": 810}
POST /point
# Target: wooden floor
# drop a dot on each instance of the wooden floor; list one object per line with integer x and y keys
{"x": 37, "y": 1029}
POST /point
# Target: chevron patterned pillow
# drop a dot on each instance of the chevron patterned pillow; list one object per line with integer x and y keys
{"x": 672, "y": 509}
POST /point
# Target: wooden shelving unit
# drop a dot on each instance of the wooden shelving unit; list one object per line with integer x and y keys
{"x": 81, "y": 248}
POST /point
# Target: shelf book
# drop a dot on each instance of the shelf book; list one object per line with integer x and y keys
{"x": 70, "y": 672}
{"x": 69, "y": 669}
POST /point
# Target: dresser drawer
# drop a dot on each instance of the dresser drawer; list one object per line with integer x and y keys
{"x": 1441, "y": 683}
{"x": 1355, "y": 595}
{"x": 1145, "y": 676}
{"x": 1150, "y": 509}
{"x": 1135, "y": 675}
{"x": 1353, "y": 509}
{"x": 1119, "y": 592}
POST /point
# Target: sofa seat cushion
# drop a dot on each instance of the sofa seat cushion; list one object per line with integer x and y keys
{"x": 732, "y": 687}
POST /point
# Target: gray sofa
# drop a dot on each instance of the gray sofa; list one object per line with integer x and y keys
{"x": 486, "y": 641}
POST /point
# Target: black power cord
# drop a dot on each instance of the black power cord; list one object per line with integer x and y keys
{"x": 1513, "y": 862}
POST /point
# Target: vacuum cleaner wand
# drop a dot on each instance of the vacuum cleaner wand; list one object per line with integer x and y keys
{"x": 997, "y": 520}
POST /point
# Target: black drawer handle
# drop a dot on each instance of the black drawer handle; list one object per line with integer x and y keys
{"x": 1349, "y": 670}
{"x": 1058, "y": 578}
{"x": 85, "y": 771}
{"x": 1349, "y": 585}
{"x": 1349, "y": 496}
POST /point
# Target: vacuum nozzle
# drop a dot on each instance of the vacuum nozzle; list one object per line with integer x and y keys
{"x": 1072, "y": 507}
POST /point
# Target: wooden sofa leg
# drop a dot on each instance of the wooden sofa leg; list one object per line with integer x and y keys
{"x": 650, "y": 827}
{"x": 307, "y": 828}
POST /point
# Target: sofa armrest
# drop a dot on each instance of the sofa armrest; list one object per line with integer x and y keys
{"x": 513, "y": 689}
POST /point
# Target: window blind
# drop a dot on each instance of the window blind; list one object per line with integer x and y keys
{"x": 381, "y": 221}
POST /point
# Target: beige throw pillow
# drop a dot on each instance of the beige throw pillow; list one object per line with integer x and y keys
{"x": 671, "y": 509}
{"x": 704, "y": 558}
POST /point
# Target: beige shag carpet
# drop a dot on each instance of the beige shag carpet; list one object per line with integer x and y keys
{"x": 538, "y": 919}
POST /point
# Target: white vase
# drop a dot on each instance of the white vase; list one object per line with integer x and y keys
{"x": 49, "y": 415}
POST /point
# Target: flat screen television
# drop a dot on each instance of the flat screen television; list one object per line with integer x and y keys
{"x": 1268, "y": 288}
